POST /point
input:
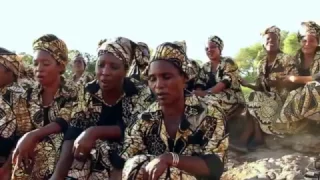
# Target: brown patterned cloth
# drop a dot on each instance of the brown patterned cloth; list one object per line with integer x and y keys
{"x": 272, "y": 29}
{"x": 54, "y": 46}
{"x": 309, "y": 27}
{"x": 182, "y": 44}
{"x": 125, "y": 50}
{"x": 218, "y": 41}
{"x": 175, "y": 54}
{"x": 14, "y": 63}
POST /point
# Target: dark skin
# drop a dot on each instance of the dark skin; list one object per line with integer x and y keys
{"x": 78, "y": 67}
{"x": 214, "y": 54}
{"x": 47, "y": 72}
{"x": 7, "y": 78}
{"x": 309, "y": 44}
{"x": 168, "y": 84}
{"x": 110, "y": 72}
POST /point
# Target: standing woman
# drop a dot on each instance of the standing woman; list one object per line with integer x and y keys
{"x": 265, "y": 102}
{"x": 11, "y": 73}
{"x": 180, "y": 136}
{"x": 302, "y": 104}
{"x": 47, "y": 107}
{"x": 220, "y": 77}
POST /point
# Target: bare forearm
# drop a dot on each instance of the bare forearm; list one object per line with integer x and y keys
{"x": 51, "y": 128}
{"x": 106, "y": 132}
{"x": 218, "y": 88}
{"x": 193, "y": 165}
{"x": 65, "y": 160}
{"x": 8, "y": 163}
{"x": 301, "y": 79}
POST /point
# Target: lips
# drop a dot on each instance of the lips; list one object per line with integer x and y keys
{"x": 161, "y": 96}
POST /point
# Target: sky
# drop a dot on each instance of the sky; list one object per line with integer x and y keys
{"x": 82, "y": 23}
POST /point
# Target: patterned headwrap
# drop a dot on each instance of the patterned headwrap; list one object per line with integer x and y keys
{"x": 272, "y": 29}
{"x": 144, "y": 46}
{"x": 174, "y": 54}
{"x": 309, "y": 27}
{"x": 54, "y": 46}
{"x": 218, "y": 41}
{"x": 125, "y": 50}
{"x": 14, "y": 63}
{"x": 182, "y": 44}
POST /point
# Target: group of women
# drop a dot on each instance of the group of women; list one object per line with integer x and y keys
{"x": 143, "y": 117}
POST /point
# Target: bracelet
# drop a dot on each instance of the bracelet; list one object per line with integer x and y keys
{"x": 175, "y": 159}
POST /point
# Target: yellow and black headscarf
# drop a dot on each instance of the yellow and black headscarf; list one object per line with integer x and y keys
{"x": 218, "y": 41}
{"x": 272, "y": 29}
{"x": 175, "y": 54}
{"x": 182, "y": 44}
{"x": 125, "y": 50}
{"x": 54, "y": 46}
{"x": 309, "y": 28}
{"x": 13, "y": 62}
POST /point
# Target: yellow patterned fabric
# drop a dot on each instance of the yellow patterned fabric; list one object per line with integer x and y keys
{"x": 265, "y": 105}
{"x": 218, "y": 41}
{"x": 227, "y": 72}
{"x": 14, "y": 64}
{"x": 201, "y": 132}
{"x": 309, "y": 28}
{"x": 182, "y": 44}
{"x": 140, "y": 61}
{"x": 56, "y": 48}
{"x": 32, "y": 115}
{"x": 92, "y": 111}
{"x": 302, "y": 104}
{"x": 272, "y": 29}
{"x": 175, "y": 54}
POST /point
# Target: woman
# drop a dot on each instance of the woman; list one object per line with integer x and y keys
{"x": 46, "y": 109}
{"x": 11, "y": 73}
{"x": 220, "y": 77}
{"x": 265, "y": 102}
{"x": 179, "y": 136}
{"x": 196, "y": 69}
{"x": 111, "y": 104}
{"x": 78, "y": 68}
{"x": 140, "y": 62}
{"x": 301, "y": 104}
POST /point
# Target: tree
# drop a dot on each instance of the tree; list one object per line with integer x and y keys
{"x": 26, "y": 58}
{"x": 291, "y": 44}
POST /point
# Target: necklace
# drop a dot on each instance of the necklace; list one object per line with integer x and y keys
{"x": 118, "y": 100}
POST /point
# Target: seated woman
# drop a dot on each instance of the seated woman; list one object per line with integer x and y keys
{"x": 140, "y": 62}
{"x": 111, "y": 104}
{"x": 265, "y": 102}
{"x": 180, "y": 136}
{"x": 302, "y": 103}
{"x": 220, "y": 78}
{"x": 45, "y": 110}
{"x": 80, "y": 76}
{"x": 11, "y": 73}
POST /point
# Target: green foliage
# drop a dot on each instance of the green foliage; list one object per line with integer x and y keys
{"x": 291, "y": 44}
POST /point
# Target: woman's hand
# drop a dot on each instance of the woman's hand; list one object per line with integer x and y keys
{"x": 157, "y": 166}
{"x": 84, "y": 144}
{"x": 199, "y": 93}
{"x": 24, "y": 151}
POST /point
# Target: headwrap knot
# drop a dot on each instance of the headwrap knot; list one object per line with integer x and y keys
{"x": 309, "y": 27}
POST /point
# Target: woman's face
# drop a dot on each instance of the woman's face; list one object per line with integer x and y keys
{"x": 309, "y": 44}
{"x": 46, "y": 69}
{"x": 271, "y": 42}
{"x": 213, "y": 52}
{"x": 110, "y": 72}
{"x": 166, "y": 82}
{"x": 78, "y": 65}
{"x": 7, "y": 76}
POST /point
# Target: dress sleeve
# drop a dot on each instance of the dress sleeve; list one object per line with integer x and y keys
{"x": 214, "y": 151}
{"x": 230, "y": 73}
{"x": 201, "y": 81}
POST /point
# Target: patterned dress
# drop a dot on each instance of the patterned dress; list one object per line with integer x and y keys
{"x": 92, "y": 111}
{"x": 228, "y": 73}
{"x": 265, "y": 105}
{"x": 8, "y": 119}
{"x": 201, "y": 133}
{"x": 302, "y": 103}
{"x": 32, "y": 115}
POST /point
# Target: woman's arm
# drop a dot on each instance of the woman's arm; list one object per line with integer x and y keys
{"x": 65, "y": 161}
{"x": 300, "y": 79}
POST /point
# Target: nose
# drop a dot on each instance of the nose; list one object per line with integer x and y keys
{"x": 159, "y": 84}
{"x": 106, "y": 71}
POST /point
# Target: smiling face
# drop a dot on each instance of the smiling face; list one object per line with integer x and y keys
{"x": 271, "y": 42}
{"x": 47, "y": 70}
{"x": 166, "y": 81}
{"x": 309, "y": 44}
{"x": 110, "y": 72}
{"x": 213, "y": 51}
{"x": 78, "y": 65}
